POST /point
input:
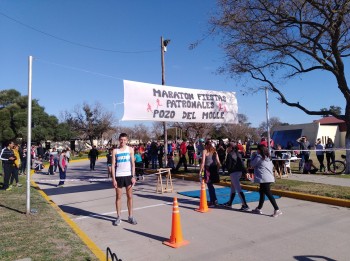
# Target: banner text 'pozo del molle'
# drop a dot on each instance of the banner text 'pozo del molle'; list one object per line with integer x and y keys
{"x": 152, "y": 102}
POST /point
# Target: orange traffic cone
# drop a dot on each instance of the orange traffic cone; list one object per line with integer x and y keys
{"x": 203, "y": 204}
{"x": 176, "y": 239}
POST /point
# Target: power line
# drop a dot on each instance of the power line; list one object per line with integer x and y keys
{"x": 77, "y": 69}
{"x": 72, "y": 42}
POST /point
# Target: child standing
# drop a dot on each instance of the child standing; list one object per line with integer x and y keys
{"x": 51, "y": 164}
{"x": 138, "y": 165}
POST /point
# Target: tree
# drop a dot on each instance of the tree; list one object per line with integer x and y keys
{"x": 89, "y": 122}
{"x": 8, "y": 97}
{"x": 243, "y": 119}
{"x": 158, "y": 129}
{"x": 194, "y": 129}
{"x": 273, "y": 122}
{"x": 277, "y": 40}
{"x": 64, "y": 132}
{"x": 335, "y": 109}
{"x": 239, "y": 132}
{"x": 140, "y": 132}
{"x": 13, "y": 118}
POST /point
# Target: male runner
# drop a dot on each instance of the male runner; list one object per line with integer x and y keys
{"x": 123, "y": 174}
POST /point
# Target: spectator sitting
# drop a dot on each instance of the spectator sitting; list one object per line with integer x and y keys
{"x": 38, "y": 164}
{"x": 309, "y": 167}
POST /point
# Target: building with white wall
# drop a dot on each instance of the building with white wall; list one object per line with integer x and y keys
{"x": 328, "y": 127}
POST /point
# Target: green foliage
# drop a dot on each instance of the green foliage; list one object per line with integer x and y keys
{"x": 7, "y": 97}
{"x": 334, "y": 109}
{"x": 13, "y": 118}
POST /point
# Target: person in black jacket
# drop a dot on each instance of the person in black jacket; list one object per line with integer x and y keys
{"x": 160, "y": 148}
{"x": 93, "y": 156}
{"x": 235, "y": 167}
{"x": 8, "y": 160}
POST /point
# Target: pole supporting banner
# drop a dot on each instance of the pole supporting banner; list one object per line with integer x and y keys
{"x": 29, "y": 131}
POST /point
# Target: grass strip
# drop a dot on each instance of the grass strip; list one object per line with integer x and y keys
{"x": 41, "y": 236}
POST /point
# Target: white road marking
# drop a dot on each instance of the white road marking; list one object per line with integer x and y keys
{"x": 124, "y": 210}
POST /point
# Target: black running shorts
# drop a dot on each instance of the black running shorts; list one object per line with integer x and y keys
{"x": 124, "y": 181}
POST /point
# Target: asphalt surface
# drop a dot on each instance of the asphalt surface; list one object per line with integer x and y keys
{"x": 305, "y": 231}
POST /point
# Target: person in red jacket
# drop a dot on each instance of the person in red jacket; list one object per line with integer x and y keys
{"x": 182, "y": 156}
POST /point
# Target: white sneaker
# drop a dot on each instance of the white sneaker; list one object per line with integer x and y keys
{"x": 117, "y": 221}
{"x": 132, "y": 220}
{"x": 277, "y": 213}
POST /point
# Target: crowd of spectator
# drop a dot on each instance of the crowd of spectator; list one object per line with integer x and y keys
{"x": 14, "y": 159}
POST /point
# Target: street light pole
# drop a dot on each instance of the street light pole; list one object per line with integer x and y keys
{"x": 163, "y": 45}
{"x": 267, "y": 119}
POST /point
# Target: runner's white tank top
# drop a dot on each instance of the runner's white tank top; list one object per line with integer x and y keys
{"x": 123, "y": 162}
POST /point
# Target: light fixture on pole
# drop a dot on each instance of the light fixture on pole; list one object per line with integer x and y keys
{"x": 163, "y": 48}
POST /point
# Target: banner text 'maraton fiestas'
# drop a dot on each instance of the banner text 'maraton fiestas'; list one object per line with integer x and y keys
{"x": 187, "y": 96}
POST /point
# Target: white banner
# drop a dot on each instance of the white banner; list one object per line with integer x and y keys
{"x": 152, "y": 102}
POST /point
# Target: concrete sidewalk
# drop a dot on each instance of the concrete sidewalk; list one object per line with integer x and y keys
{"x": 323, "y": 179}
{"x": 305, "y": 231}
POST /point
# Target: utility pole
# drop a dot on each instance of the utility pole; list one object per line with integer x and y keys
{"x": 163, "y": 45}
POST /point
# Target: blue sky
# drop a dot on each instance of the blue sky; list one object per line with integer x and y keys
{"x": 65, "y": 74}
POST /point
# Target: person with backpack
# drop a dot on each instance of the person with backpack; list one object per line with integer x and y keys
{"x": 236, "y": 168}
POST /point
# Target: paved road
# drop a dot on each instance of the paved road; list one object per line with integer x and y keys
{"x": 323, "y": 179}
{"x": 305, "y": 231}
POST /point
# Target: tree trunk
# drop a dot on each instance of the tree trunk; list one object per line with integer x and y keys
{"x": 347, "y": 137}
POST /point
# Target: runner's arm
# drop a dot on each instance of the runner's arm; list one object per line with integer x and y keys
{"x": 132, "y": 160}
{"x": 114, "y": 168}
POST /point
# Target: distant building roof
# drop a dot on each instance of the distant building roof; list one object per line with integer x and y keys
{"x": 331, "y": 120}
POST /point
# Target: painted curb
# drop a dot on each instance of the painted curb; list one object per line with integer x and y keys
{"x": 81, "y": 234}
{"x": 284, "y": 193}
